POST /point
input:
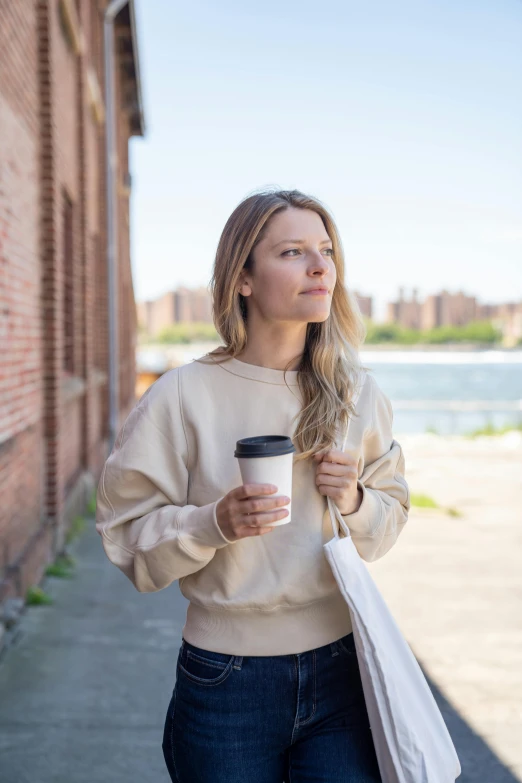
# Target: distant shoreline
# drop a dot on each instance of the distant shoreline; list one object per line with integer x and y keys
{"x": 462, "y": 347}
{"x": 433, "y": 347}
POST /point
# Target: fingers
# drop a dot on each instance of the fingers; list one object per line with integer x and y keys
{"x": 251, "y": 513}
{"x": 341, "y": 482}
{"x": 335, "y": 456}
{"x": 258, "y": 505}
{"x": 247, "y": 490}
{"x": 331, "y": 469}
{"x": 264, "y": 518}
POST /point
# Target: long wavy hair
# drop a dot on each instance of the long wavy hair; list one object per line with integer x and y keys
{"x": 329, "y": 368}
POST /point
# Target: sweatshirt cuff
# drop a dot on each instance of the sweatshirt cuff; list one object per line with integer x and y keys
{"x": 366, "y": 520}
{"x": 199, "y": 528}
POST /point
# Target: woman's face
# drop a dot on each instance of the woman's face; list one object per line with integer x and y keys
{"x": 294, "y": 256}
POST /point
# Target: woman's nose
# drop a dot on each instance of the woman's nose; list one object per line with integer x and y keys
{"x": 320, "y": 261}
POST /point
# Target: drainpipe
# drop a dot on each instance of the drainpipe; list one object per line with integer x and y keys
{"x": 111, "y": 164}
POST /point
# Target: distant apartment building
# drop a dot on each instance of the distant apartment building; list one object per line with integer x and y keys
{"x": 406, "y": 312}
{"x": 54, "y": 379}
{"x": 365, "y": 304}
{"x": 185, "y": 305}
{"x": 458, "y": 309}
{"x": 445, "y": 309}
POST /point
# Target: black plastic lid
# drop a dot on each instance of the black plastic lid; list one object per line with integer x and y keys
{"x": 264, "y": 446}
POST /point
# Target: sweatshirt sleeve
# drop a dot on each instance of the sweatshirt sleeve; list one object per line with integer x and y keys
{"x": 147, "y": 528}
{"x": 385, "y": 504}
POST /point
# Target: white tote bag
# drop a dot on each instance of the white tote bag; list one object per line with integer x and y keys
{"x": 412, "y": 742}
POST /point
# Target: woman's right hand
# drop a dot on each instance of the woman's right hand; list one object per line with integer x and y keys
{"x": 233, "y": 509}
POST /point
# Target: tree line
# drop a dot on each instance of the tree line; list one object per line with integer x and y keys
{"x": 480, "y": 332}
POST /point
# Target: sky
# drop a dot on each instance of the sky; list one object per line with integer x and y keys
{"x": 403, "y": 118}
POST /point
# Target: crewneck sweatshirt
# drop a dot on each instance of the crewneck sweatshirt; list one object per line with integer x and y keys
{"x": 173, "y": 461}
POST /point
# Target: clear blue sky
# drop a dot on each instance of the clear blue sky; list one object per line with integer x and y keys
{"x": 405, "y": 118}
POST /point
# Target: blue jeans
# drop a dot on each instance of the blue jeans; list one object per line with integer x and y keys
{"x": 269, "y": 719}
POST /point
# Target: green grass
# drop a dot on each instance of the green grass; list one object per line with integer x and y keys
{"x": 62, "y": 568}
{"x": 76, "y": 529}
{"x": 91, "y": 505}
{"x": 423, "y": 501}
{"x": 188, "y": 332}
{"x": 36, "y": 596}
{"x": 480, "y": 332}
{"x": 490, "y": 429}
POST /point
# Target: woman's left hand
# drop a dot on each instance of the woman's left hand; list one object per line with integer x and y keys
{"x": 336, "y": 477}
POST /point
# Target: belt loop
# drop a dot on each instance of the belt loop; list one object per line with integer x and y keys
{"x": 334, "y": 648}
{"x": 238, "y": 662}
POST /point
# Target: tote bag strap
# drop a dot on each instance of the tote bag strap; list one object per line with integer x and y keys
{"x": 335, "y": 515}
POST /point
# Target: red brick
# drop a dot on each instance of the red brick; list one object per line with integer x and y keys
{"x": 51, "y": 145}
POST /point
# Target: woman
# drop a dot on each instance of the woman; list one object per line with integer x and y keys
{"x": 267, "y": 684}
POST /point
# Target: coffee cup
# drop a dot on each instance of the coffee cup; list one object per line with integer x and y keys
{"x": 268, "y": 459}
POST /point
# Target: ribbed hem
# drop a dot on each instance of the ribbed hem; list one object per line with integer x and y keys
{"x": 282, "y": 631}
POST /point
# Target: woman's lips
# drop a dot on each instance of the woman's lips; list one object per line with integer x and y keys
{"x": 316, "y": 291}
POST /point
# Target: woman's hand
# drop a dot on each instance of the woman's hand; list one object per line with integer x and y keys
{"x": 336, "y": 477}
{"x": 240, "y": 515}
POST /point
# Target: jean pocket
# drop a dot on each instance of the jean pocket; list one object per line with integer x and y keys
{"x": 347, "y": 644}
{"x": 204, "y": 666}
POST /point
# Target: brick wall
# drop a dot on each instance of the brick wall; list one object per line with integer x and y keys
{"x": 53, "y": 289}
{"x": 21, "y": 444}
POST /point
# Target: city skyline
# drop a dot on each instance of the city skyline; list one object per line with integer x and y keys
{"x": 405, "y": 127}
{"x": 404, "y": 291}
{"x": 443, "y": 308}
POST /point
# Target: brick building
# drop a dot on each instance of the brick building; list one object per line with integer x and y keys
{"x": 406, "y": 312}
{"x": 442, "y": 309}
{"x": 53, "y": 294}
{"x": 186, "y": 305}
{"x": 365, "y": 304}
{"x": 447, "y": 309}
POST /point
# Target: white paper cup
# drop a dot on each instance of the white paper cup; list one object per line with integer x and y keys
{"x": 268, "y": 460}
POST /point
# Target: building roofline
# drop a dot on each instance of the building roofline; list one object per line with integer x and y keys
{"x": 121, "y": 13}
{"x": 139, "y": 115}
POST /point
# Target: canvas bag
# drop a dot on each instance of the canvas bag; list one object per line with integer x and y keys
{"x": 412, "y": 742}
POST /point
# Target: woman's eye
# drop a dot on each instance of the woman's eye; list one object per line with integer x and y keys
{"x": 295, "y": 249}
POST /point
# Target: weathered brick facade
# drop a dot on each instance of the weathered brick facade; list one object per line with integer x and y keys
{"x": 53, "y": 269}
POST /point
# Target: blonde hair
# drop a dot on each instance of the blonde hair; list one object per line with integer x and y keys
{"x": 330, "y": 365}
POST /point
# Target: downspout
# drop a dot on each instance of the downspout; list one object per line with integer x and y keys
{"x": 111, "y": 164}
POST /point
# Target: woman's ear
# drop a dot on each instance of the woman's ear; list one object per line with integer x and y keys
{"x": 244, "y": 288}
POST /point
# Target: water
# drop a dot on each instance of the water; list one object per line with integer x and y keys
{"x": 417, "y": 375}
{"x": 425, "y": 375}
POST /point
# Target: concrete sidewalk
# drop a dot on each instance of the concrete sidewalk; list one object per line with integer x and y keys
{"x": 85, "y": 688}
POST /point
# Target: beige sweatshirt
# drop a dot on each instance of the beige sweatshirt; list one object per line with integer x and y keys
{"x": 172, "y": 462}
